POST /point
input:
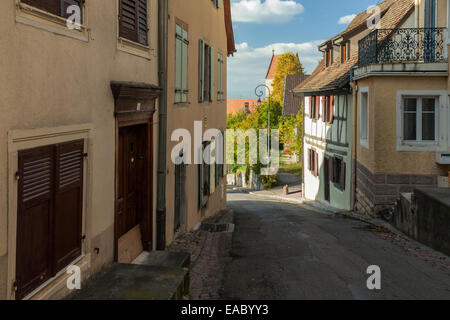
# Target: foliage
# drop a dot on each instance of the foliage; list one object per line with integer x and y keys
{"x": 288, "y": 63}
{"x": 291, "y": 132}
{"x": 269, "y": 181}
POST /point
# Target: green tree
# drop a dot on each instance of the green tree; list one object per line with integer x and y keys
{"x": 288, "y": 63}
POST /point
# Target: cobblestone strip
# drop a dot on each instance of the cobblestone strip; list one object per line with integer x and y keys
{"x": 209, "y": 255}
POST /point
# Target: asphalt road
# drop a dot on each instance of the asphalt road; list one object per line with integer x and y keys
{"x": 287, "y": 251}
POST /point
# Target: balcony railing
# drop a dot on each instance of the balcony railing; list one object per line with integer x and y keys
{"x": 403, "y": 45}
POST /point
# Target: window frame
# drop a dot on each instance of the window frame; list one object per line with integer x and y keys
{"x": 441, "y": 97}
{"x": 365, "y": 142}
{"x": 419, "y": 118}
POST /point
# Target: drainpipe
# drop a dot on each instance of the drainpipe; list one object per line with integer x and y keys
{"x": 355, "y": 86}
{"x": 163, "y": 17}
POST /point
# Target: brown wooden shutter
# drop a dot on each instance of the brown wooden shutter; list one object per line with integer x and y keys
{"x": 342, "y": 175}
{"x": 68, "y": 202}
{"x": 331, "y": 169}
{"x": 316, "y": 164}
{"x": 34, "y": 219}
{"x": 311, "y": 107}
{"x": 309, "y": 159}
{"x": 133, "y": 24}
{"x": 317, "y": 108}
{"x": 331, "y": 110}
{"x": 142, "y": 14}
{"x": 51, "y": 6}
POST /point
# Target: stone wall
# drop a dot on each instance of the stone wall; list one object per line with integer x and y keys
{"x": 376, "y": 192}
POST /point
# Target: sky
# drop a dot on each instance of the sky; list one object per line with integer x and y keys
{"x": 299, "y": 26}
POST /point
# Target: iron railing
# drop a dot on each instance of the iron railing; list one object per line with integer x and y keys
{"x": 403, "y": 45}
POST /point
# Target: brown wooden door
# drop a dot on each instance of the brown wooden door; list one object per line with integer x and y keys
{"x": 131, "y": 178}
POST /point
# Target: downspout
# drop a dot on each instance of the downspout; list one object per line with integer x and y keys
{"x": 163, "y": 17}
{"x": 354, "y": 85}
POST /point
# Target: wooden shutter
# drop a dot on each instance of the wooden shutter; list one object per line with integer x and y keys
{"x": 34, "y": 219}
{"x": 331, "y": 110}
{"x": 331, "y": 169}
{"x": 51, "y": 6}
{"x": 201, "y": 69}
{"x": 316, "y": 164}
{"x": 309, "y": 159}
{"x": 211, "y": 73}
{"x": 142, "y": 14}
{"x": 342, "y": 175}
{"x": 68, "y": 202}
{"x": 317, "y": 108}
{"x": 133, "y": 24}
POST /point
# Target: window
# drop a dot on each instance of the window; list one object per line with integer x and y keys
{"x": 220, "y": 93}
{"x": 133, "y": 24}
{"x": 205, "y": 72}
{"x": 328, "y": 114}
{"x": 56, "y": 7}
{"x": 420, "y": 118}
{"x": 218, "y": 3}
{"x": 204, "y": 177}
{"x": 314, "y": 106}
{"x": 364, "y": 117}
{"x": 337, "y": 172}
{"x": 181, "y": 61}
{"x": 313, "y": 162}
{"x": 50, "y": 197}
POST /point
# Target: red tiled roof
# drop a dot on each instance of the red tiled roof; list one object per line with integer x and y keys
{"x": 272, "y": 67}
{"x": 338, "y": 74}
{"x": 236, "y": 105}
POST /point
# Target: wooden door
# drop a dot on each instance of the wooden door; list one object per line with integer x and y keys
{"x": 131, "y": 178}
{"x": 326, "y": 178}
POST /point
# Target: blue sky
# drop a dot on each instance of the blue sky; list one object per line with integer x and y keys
{"x": 283, "y": 25}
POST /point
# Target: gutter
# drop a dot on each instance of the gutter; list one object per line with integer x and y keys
{"x": 163, "y": 17}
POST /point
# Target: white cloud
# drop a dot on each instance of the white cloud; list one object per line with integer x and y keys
{"x": 269, "y": 11}
{"x": 346, "y": 19}
{"x": 248, "y": 67}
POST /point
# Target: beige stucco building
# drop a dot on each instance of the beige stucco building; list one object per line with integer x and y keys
{"x": 401, "y": 94}
{"x": 80, "y": 133}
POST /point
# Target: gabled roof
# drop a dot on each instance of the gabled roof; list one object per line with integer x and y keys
{"x": 291, "y": 102}
{"x": 236, "y": 105}
{"x": 231, "y": 46}
{"x": 337, "y": 75}
{"x": 273, "y": 66}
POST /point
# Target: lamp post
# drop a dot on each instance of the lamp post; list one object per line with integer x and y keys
{"x": 259, "y": 91}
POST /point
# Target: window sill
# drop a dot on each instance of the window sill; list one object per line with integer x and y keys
{"x": 181, "y": 104}
{"x": 364, "y": 143}
{"x": 31, "y": 16}
{"x": 134, "y": 48}
{"x": 410, "y": 146}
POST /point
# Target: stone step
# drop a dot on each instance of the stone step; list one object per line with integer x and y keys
{"x": 136, "y": 282}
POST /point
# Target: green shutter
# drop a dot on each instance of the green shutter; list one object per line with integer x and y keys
{"x": 220, "y": 77}
{"x": 200, "y": 185}
{"x": 184, "y": 63}
{"x": 219, "y": 3}
{"x": 211, "y": 78}
{"x": 178, "y": 65}
{"x": 201, "y": 70}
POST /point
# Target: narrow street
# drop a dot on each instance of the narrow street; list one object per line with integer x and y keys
{"x": 286, "y": 251}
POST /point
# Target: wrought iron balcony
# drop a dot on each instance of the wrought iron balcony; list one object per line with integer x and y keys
{"x": 403, "y": 45}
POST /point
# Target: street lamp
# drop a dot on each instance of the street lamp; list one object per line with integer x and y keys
{"x": 259, "y": 91}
